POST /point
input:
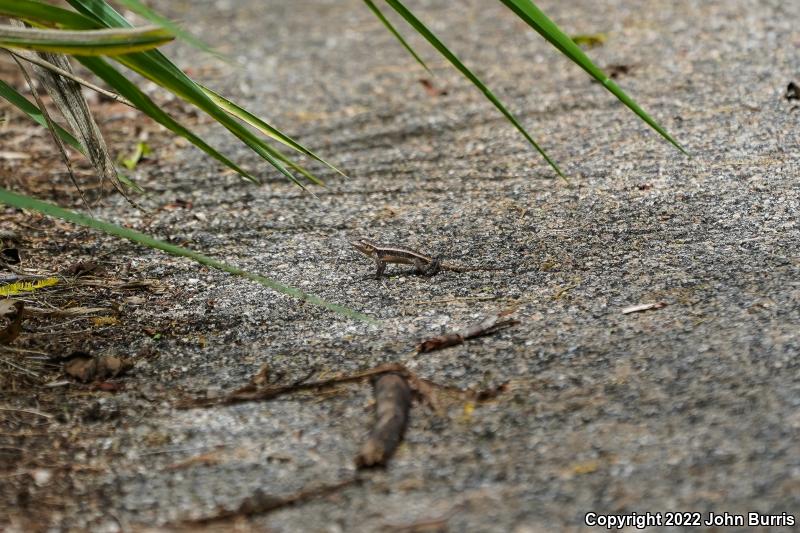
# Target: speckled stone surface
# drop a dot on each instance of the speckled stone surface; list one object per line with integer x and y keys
{"x": 691, "y": 407}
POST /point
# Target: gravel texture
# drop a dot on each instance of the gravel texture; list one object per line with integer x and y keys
{"x": 691, "y": 407}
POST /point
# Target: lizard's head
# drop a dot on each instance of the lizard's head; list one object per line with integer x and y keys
{"x": 365, "y": 246}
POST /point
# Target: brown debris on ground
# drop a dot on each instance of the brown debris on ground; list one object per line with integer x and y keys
{"x": 392, "y": 404}
{"x": 86, "y": 368}
{"x": 487, "y": 326}
{"x": 252, "y": 392}
{"x": 13, "y": 312}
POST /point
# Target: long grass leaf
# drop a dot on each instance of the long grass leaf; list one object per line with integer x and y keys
{"x": 26, "y": 202}
{"x": 85, "y": 42}
{"x": 389, "y": 26}
{"x": 34, "y": 113}
{"x": 436, "y": 43}
{"x": 537, "y": 20}
{"x": 46, "y": 13}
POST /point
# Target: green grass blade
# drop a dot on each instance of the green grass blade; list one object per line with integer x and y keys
{"x": 139, "y": 8}
{"x": 85, "y": 42}
{"x": 126, "y": 88}
{"x": 16, "y": 99}
{"x": 46, "y": 14}
{"x": 537, "y": 20}
{"x": 101, "y": 11}
{"x": 26, "y": 202}
{"x": 377, "y": 12}
{"x": 436, "y": 43}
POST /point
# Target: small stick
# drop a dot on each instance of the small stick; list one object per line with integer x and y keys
{"x": 269, "y": 393}
{"x": 392, "y": 404}
{"x": 488, "y": 326}
{"x": 260, "y": 502}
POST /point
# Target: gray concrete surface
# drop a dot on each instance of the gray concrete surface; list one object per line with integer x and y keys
{"x": 691, "y": 407}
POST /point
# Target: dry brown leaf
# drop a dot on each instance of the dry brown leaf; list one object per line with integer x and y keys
{"x": 13, "y": 311}
{"x": 86, "y": 368}
{"x": 81, "y": 368}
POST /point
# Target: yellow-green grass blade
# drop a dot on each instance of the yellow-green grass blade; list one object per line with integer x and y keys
{"x": 537, "y": 20}
{"x": 126, "y": 88}
{"x": 31, "y": 110}
{"x": 46, "y": 14}
{"x": 450, "y": 56}
{"x": 26, "y": 202}
{"x": 85, "y": 42}
{"x": 141, "y": 9}
{"x": 389, "y": 26}
{"x": 154, "y": 66}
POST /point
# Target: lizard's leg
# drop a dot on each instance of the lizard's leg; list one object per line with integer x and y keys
{"x": 380, "y": 268}
{"x": 420, "y": 266}
{"x": 433, "y": 267}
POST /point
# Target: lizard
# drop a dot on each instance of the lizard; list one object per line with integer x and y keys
{"x": 425, "y": 265}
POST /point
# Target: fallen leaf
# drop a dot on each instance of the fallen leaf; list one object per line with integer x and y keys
{"x": 81, "y": 368}
{"x": 81, "y": 268}
{"x": 86, "y": 368}
{"x": 109, "y": 366}
{"x": 643, "y": 307}
{"x": 13, "y": 311}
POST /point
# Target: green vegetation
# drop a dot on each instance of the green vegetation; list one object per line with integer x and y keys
{"x": 98, "y": 37}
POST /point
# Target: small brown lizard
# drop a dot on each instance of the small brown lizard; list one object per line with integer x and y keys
{"x": 425, "y": 265}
